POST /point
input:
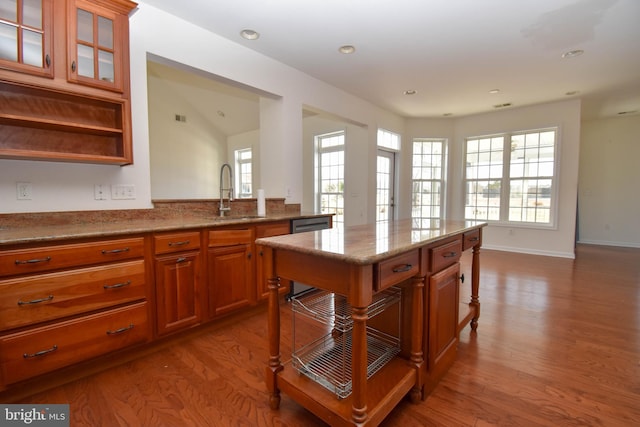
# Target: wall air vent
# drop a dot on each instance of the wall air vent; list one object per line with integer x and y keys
{"x": 181, "y": 118}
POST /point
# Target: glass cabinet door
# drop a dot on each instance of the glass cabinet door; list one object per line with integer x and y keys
{"x": 25, "y": 36}
{"x": 94, "y": 47}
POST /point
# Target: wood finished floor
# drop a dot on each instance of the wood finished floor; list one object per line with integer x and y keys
{"x": 558, "y": 344}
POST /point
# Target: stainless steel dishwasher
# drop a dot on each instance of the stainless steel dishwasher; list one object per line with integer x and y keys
{"x": 302, "y": 225}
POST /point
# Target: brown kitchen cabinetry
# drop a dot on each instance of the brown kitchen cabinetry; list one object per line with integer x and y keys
{"x": 177, "y": 279}
{"x": 230, "y": 270}
{"x": 63, "y": 304}
{"x": 73, "y": 106}
{"x": 268, "y": 230}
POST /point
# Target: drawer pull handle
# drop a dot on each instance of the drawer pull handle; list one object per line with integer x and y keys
{"x": 121, "y": 330}
{"x": 117, "y": 285}
{"x": 114, "y": 251}
{"x": 36, "y": 301}
{"x": 451, "y": 254}
{"x": 181, "y": 260}
{"x": 33, "y": 261}
{"x": 184, "y": 242}
{"x": 40, "y": 353}
{"x": 402, "y": 268}
{"x": 473, "y": 239}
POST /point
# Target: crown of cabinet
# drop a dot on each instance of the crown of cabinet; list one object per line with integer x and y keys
{"x": 67, "y": 95}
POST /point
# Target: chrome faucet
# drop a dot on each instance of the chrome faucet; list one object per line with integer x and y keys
{"x": 222, "y": 208}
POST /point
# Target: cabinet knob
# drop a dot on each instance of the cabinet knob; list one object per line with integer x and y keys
{"x": 73, "y": 66}
{"x": 47, "y": 60}
{"x": 462, "y": 278}
{"x": 249, "y": 255}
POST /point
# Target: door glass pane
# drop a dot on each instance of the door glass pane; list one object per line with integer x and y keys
{"x": 9, "y": 10}
{"x": 105, "y": 32}
{"x": 105, "y": 66}
{"x": 8, "y": 42}
{"x": 32, "y": 13}
{"x": 85, "y": 61}
{"x": 85, "y": 26}
{"x": 32, "y": 48}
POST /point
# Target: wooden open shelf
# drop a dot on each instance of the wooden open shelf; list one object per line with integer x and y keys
{"x": 49, "y": 124}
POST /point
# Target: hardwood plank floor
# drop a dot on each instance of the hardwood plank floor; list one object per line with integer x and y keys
{"x": 558, "y": 344}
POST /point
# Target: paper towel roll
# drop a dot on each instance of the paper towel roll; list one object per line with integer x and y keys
{"x": 262, "y": 211}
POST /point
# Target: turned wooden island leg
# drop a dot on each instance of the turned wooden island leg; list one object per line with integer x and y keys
{"x": 417, "y": 355}
{"x": 275, "y": 364}
{"x": 475, "y": 287}
{"x": 359, "y": 364}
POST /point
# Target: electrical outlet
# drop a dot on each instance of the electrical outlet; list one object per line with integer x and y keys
{"x": 100, "y": 192}
{"x": 123, "y": 192}
{"x": 24, "y": 190}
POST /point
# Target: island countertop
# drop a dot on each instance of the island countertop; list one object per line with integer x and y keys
{"x": 368, "y": 243}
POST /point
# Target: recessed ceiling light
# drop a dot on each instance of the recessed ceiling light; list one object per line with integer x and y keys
{"x": 250, "y": 34}
{"x": 494, "y": 91}
{"x": 572, "y": 53}
{"x": 347, "y": 49}
{"x": 410, "y": 92}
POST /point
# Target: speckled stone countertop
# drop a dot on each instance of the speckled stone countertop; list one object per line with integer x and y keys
{"x": 369, "y": 243}
{"x": 167, "y": 216}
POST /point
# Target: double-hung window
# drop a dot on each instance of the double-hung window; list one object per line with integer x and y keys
{"x": 330, "y": 175}
{"x": 388, "y": 146}
{"x": 511, "y": 178}
{"x": 428, "y": 179}
{"x": 243, "y": 173}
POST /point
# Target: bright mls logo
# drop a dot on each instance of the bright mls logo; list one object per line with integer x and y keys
{"x": 37, "y": 415}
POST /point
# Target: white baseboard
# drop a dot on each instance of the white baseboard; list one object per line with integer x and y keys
{"x": 530, "y": 251}
{"x": 607, "y": 243}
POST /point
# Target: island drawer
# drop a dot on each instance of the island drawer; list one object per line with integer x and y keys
{"x": 445, "y": 255}
{"x": 470, "y": 239}
{"x": 395, "y": 270}
{"x": 40, "y": 350}
{"x": 176, "y": 242}
{"x": 47, "y": 258}
{"x": 44, "y": 297}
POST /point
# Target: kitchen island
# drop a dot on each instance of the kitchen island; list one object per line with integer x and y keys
{"x": 359, "y": 263}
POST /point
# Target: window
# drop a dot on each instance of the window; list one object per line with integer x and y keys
{"x": 330, "y": 175}
{"x": 243, "y": 173}
{"x": 428, "y": 178}
{"x": 388, "y": 144}
{"x": 514, "y": 182}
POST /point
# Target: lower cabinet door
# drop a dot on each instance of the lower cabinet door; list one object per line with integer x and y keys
{"x": 231, "y": 279}
{"x": 177, "y": 291}
{"x": 442, "y": 330}
{"x": 40, "y": 350}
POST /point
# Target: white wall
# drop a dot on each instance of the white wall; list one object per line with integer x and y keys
{"x": 609, "y": 198}
{"x": 186, "y": 155}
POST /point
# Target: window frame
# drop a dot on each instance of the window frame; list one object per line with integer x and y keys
{"x": 507, "y": 178}
{"x": 238, "y": 175}
{"x": 338, "y": 219}
{"x": 442, "y": 180}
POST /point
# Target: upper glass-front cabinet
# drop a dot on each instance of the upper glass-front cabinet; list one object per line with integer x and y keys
{"x": 96, "y": 45}
{"x": 26, "y": 36}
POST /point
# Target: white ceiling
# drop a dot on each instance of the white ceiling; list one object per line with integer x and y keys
{"x": 452, "y": 52}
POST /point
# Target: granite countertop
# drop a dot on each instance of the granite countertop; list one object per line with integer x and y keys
{"x": 35, "y": 232}
{"x": 369, "y": 243}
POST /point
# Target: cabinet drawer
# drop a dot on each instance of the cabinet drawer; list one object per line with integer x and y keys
{"x": 176, "y": 242}
{"x": 445, "y": 255}
{"x": 37, "y": 351}
{"x": 397, "y": 269}
{"x": 470, "y": 239}
{"x": 240, "y": 236}
{"x": 44, "y": 297}
{"x": 21, "y": 261}
{"x": 273, "y": 229}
